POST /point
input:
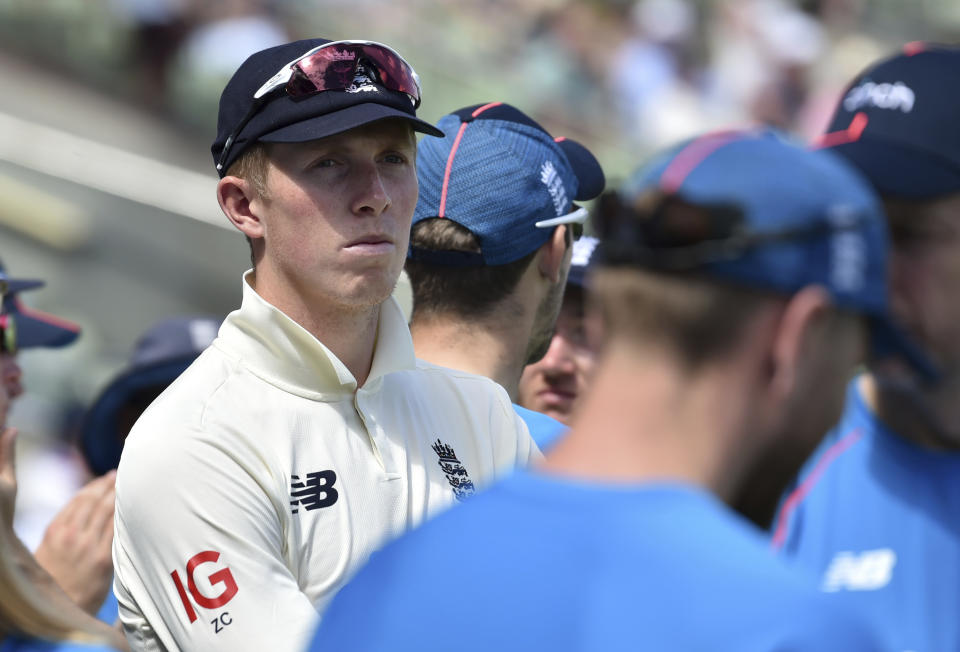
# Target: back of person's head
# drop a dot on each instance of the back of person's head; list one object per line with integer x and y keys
{"x": 752, "y": 267}
{"x": 492, "y": 192}
{"x": 709, "y": 231}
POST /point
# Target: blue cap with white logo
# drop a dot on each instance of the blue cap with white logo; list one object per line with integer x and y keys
{"x": 502, "y": 176}
{"x": 897, "y": 123}
{"x": 773, "y": 216}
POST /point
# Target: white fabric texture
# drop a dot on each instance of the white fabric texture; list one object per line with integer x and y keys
{"x": 224, "y": 542}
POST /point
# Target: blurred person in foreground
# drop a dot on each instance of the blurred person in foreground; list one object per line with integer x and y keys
{"x": 491, "y": 244}
{"x": 307, "y": 434}
{"x": 876, "y": 512}
{"x": 35, "y": 612}
{"x": 733, "y": 285}
{"x": 554, "y": 384}
{"x": 75, "y": 548}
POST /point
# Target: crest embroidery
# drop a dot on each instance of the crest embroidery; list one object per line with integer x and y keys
{"x": 456, "y": 475}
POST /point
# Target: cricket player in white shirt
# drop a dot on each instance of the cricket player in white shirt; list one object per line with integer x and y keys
{"x": 307, "y": 435}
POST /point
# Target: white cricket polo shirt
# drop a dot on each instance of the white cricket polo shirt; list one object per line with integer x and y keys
{"x": 260, "y": 480}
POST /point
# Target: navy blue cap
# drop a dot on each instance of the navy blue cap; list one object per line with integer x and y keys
{"x": 159, "y": 356}
{"x": 34, "y": 328}
{"x": 897, "y": 123}
{"x": 583, "y": 250}
{"x": 804, "y": 218}
{"x": 283, "y": 119}
{"x": 499, "y": 173}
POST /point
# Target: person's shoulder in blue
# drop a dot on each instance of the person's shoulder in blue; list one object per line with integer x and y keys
{"x": 643, "y": 528}
{"x": 874, "y": 517}
{"x": 17, "y": 644}
{"x": 544, "y": 429}
{"x": 543, "y": 563}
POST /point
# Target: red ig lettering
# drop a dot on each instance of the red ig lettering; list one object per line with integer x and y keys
{"x": 222, "y": 576}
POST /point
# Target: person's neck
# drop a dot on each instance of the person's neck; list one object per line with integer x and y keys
{"x": 929, "y": 417}
{"x": 495, "y": 348}
{"x": 645, "y": 420}
{"x": 350, "y": 332}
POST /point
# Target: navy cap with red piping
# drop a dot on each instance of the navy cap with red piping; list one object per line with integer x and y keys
{"x": 897, "y": 123}
{"x": 34, "y": 328}
{"x": 501, "y": 175}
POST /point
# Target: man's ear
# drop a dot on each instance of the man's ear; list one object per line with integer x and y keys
{"x": 801, "y": 317}
{"x": 239, "y": 201}
{"x": 554, "y": 253}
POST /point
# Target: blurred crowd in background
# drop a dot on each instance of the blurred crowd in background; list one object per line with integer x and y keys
{"x": 617, "y": 74}
{"x": 623, "y": 77}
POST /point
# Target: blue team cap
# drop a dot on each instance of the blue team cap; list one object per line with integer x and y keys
{"x": 897, "y": 123}
{"x": 502, "y": 176}
{"x": 34, "y": 328}
{"x": 773, "y": 215}
{"x": 159, "y": 356}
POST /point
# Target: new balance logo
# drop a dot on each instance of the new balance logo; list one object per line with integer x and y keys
{"x": 868, "y": 571}
{"x": 315, "y": 491}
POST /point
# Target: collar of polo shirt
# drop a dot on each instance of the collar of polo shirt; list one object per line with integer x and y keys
{"x": 283, "y": 353}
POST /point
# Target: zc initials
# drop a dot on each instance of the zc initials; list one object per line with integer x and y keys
{"x": 222, "y": 576}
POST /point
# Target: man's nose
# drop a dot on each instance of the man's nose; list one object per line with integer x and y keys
{"x": 372, "y": 197}
{"x": 558, "y": 359}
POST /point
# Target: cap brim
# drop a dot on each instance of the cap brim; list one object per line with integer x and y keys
{"x": 887, "y": 339}
{"x": 589, "y": 173}
{"x": 36, "y": 328}
{"x": 100, "y": 442}
{"x": 900, "y": 171}
{"x": 337, "y": 122}
{"x": 21, "y": 284}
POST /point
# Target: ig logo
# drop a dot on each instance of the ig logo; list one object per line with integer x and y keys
{"x": 220, "y": 580}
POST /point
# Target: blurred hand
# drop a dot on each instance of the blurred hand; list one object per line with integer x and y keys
{"x": 76, "y": 546}
{"x": 8, "y": 477}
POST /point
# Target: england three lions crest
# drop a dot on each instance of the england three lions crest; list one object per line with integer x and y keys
{"x": 457, "y": 476}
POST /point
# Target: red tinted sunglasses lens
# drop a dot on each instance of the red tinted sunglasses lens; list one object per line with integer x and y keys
{"x": 334, "y": 68}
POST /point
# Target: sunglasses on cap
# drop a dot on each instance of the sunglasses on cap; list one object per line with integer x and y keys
{"x": 8, "y": 334}
{"x": 333, "y": 67}
{"x": 574, "y": 221}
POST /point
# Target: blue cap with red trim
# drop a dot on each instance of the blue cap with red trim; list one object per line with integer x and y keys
{"x": 499, "y": 174}
{"x": 897, "y": 123}
{"x": 777, "y": 216}
{"x": 34, "y": 328}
